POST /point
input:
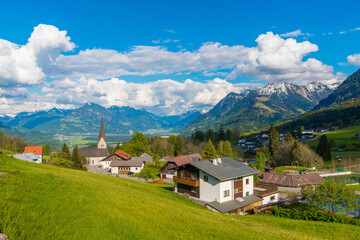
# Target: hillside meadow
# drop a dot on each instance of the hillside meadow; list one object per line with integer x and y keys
{"x": 46, "y": 202}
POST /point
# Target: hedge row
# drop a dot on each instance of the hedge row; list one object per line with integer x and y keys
{"x": 306, "y": 212}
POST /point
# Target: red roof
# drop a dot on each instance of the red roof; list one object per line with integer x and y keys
{"x": 123, "y": 154}
{"x": 289, "y": 180}
{"x": 37, "y": 150}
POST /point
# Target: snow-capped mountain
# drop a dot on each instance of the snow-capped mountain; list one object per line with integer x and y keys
{"x": 254, "y": 109}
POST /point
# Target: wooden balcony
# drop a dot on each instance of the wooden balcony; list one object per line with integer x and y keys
{"x": 187, "y": 181}
{"x": 262, "y": 190}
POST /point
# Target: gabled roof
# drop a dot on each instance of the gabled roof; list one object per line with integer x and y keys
{"x": 289, "y": 179}
{"x": 180, "y": 160}
{"x": 102, "y": 131}
{"x": 131, "y": 163}
{"x": 226, "y": 170}
{"x": 123, "y": 154}
{"x": 94, "y": 152}
{"x": 38, "y": 150}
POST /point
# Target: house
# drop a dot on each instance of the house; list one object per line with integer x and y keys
{"x": 307, "y": 134}
{"x": 116, "y": 156}
{"x": 95, "y": 155}
{"x": 168, "y": 170}
{"x": 30, "y": 157}
{"x": 226, "y": 185}
{"x": 143, "y": 157}
{"x": 289, "y": 180}
{"x": 357, "y": 136}
{"x": 121, "y": 167}
{"x": 37, "y": 150}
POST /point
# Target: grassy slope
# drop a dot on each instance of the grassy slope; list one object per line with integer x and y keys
{"x": 45, "y": 202}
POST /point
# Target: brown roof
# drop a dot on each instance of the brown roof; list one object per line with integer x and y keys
{"x": 289, "y": 179}
{"x": 131, "y": 163}
{"x": 95, "y": 152}
{"x": 37, "y": 150}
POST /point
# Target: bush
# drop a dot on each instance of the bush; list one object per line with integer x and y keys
{"x": 307, "y": 212}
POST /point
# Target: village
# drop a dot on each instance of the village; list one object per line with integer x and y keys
{"x": 220, "y": 184}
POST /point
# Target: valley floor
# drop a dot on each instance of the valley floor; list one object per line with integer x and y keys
{"x": 46, "y": 202}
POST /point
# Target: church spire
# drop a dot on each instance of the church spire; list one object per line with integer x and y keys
{"x": 102, "y": 143}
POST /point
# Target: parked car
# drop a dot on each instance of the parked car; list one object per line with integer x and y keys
{"x": 130, "y": 173}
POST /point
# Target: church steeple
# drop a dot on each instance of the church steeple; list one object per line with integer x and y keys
{"x": 102, "y": 143}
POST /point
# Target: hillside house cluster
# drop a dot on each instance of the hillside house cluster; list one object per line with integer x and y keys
{"x": 226, "y": 185}
{"x": 118, "y": 162}
{"x": 169, "y": 169}
{"x": 31, "y": 154}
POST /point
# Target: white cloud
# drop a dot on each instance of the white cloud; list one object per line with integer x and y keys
{"x": 354, "y": 59}
{"x": 24, "y": 65}
{"x": 276, "y": 59}
{"x": 356, "y": 29}
{"x": 292, "y": 34}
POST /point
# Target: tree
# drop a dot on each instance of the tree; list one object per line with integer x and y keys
{"x": 220, "y": 148}
{"x": 139, "y": 143}
{"x": 229, "y": 135}
{"x": 146, "y": 174}
{"x": 238, "y": 152}
{"x": 260, "y": 161}
{"x": 65, "y": 152}
{"x": 323, "y": 148}
{"x": 273, "y": 139}
{"x": 209, "y": 134}
{"x": 335, "y": 196}
{"x": 289, "y": 137}
{"x": 256, "y": 176}
{"x": 221, "y": 135}
{"x": 228, "y": 150}
{"x": 199, "y": 136}
{"x": 76, "y": 159}
{"x": 209, "y": 152}
{"x": 47, "y": 149}
{"x": 294, "y": 153}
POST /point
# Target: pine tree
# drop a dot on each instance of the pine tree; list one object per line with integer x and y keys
{"x": 220, "y": 148}
{"x": 273, "y": 140}
{"x": 294, "y": 153}
{"x": 323, "y": 148}
{"x": 47, "y": 149}
{"x": 228, "y": 150}
{"x": 221, "y": 133}
{"x": 289, "y": 137}
{"x": 260, "y": 161}
{"x": 75, "y": 158}
{"x": 65, "y": 152}
{"x": 209, "y": 152}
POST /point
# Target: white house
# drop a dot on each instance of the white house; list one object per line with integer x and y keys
{"x": 126, "y": 166}
{"x": 225, "y": 184}
{"x": 116, "y": 156}
{"x": 30, "y": 157}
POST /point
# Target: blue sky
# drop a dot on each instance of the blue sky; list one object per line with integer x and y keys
{"x": 211, "y": 43}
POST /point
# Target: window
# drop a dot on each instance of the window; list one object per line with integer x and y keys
{"x": 247, "y": 193}
{"x": 194, "y": 189}
{"x": 247, "y": 181}
{"x": 193, "y": 176}
{"x": 206, "y": 178}
{"x": 136, "y": 168}
{"x": 238, "y": 189}
{"x": 272, "y": 198}
{"x": 226, "y": 193}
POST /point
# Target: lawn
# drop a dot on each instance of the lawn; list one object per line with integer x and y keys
{"x": 45, "y": 202}
{"x": 289, "y": 169}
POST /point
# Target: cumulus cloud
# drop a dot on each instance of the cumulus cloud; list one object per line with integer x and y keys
{"x": 354, "y": 59}
{"x": 276, "y": 59}
{"x": 24, "y": 65}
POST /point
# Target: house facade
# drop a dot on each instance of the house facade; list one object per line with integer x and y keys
{"x": 121, "y": 167}
{"x": 36, "y": 150}
{"x": 95, "y": 155}
{"x": 116, "y": 156}
{"x": 169, "y": 169}
{"x": 225, "y": 184}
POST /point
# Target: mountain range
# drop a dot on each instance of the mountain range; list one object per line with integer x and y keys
{"x": 256, "y": 109}
{"x": 86, "y": 119}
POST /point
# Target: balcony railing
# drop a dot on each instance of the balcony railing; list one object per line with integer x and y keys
{"x": 187, "y": 181}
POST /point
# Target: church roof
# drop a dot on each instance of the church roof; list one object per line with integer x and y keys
{"x": 102, "y": 131}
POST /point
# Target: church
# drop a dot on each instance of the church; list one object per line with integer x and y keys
{"x": 95, "y": 155}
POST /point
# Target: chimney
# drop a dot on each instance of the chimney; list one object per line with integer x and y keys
{"x": 219, "y": 160}
{"x": 214, "y": 161}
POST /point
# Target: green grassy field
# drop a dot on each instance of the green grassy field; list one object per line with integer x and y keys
{"x": 46, "y": 202}
{"x": 356, "y": 187}
{"x": 282, "y": 170}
